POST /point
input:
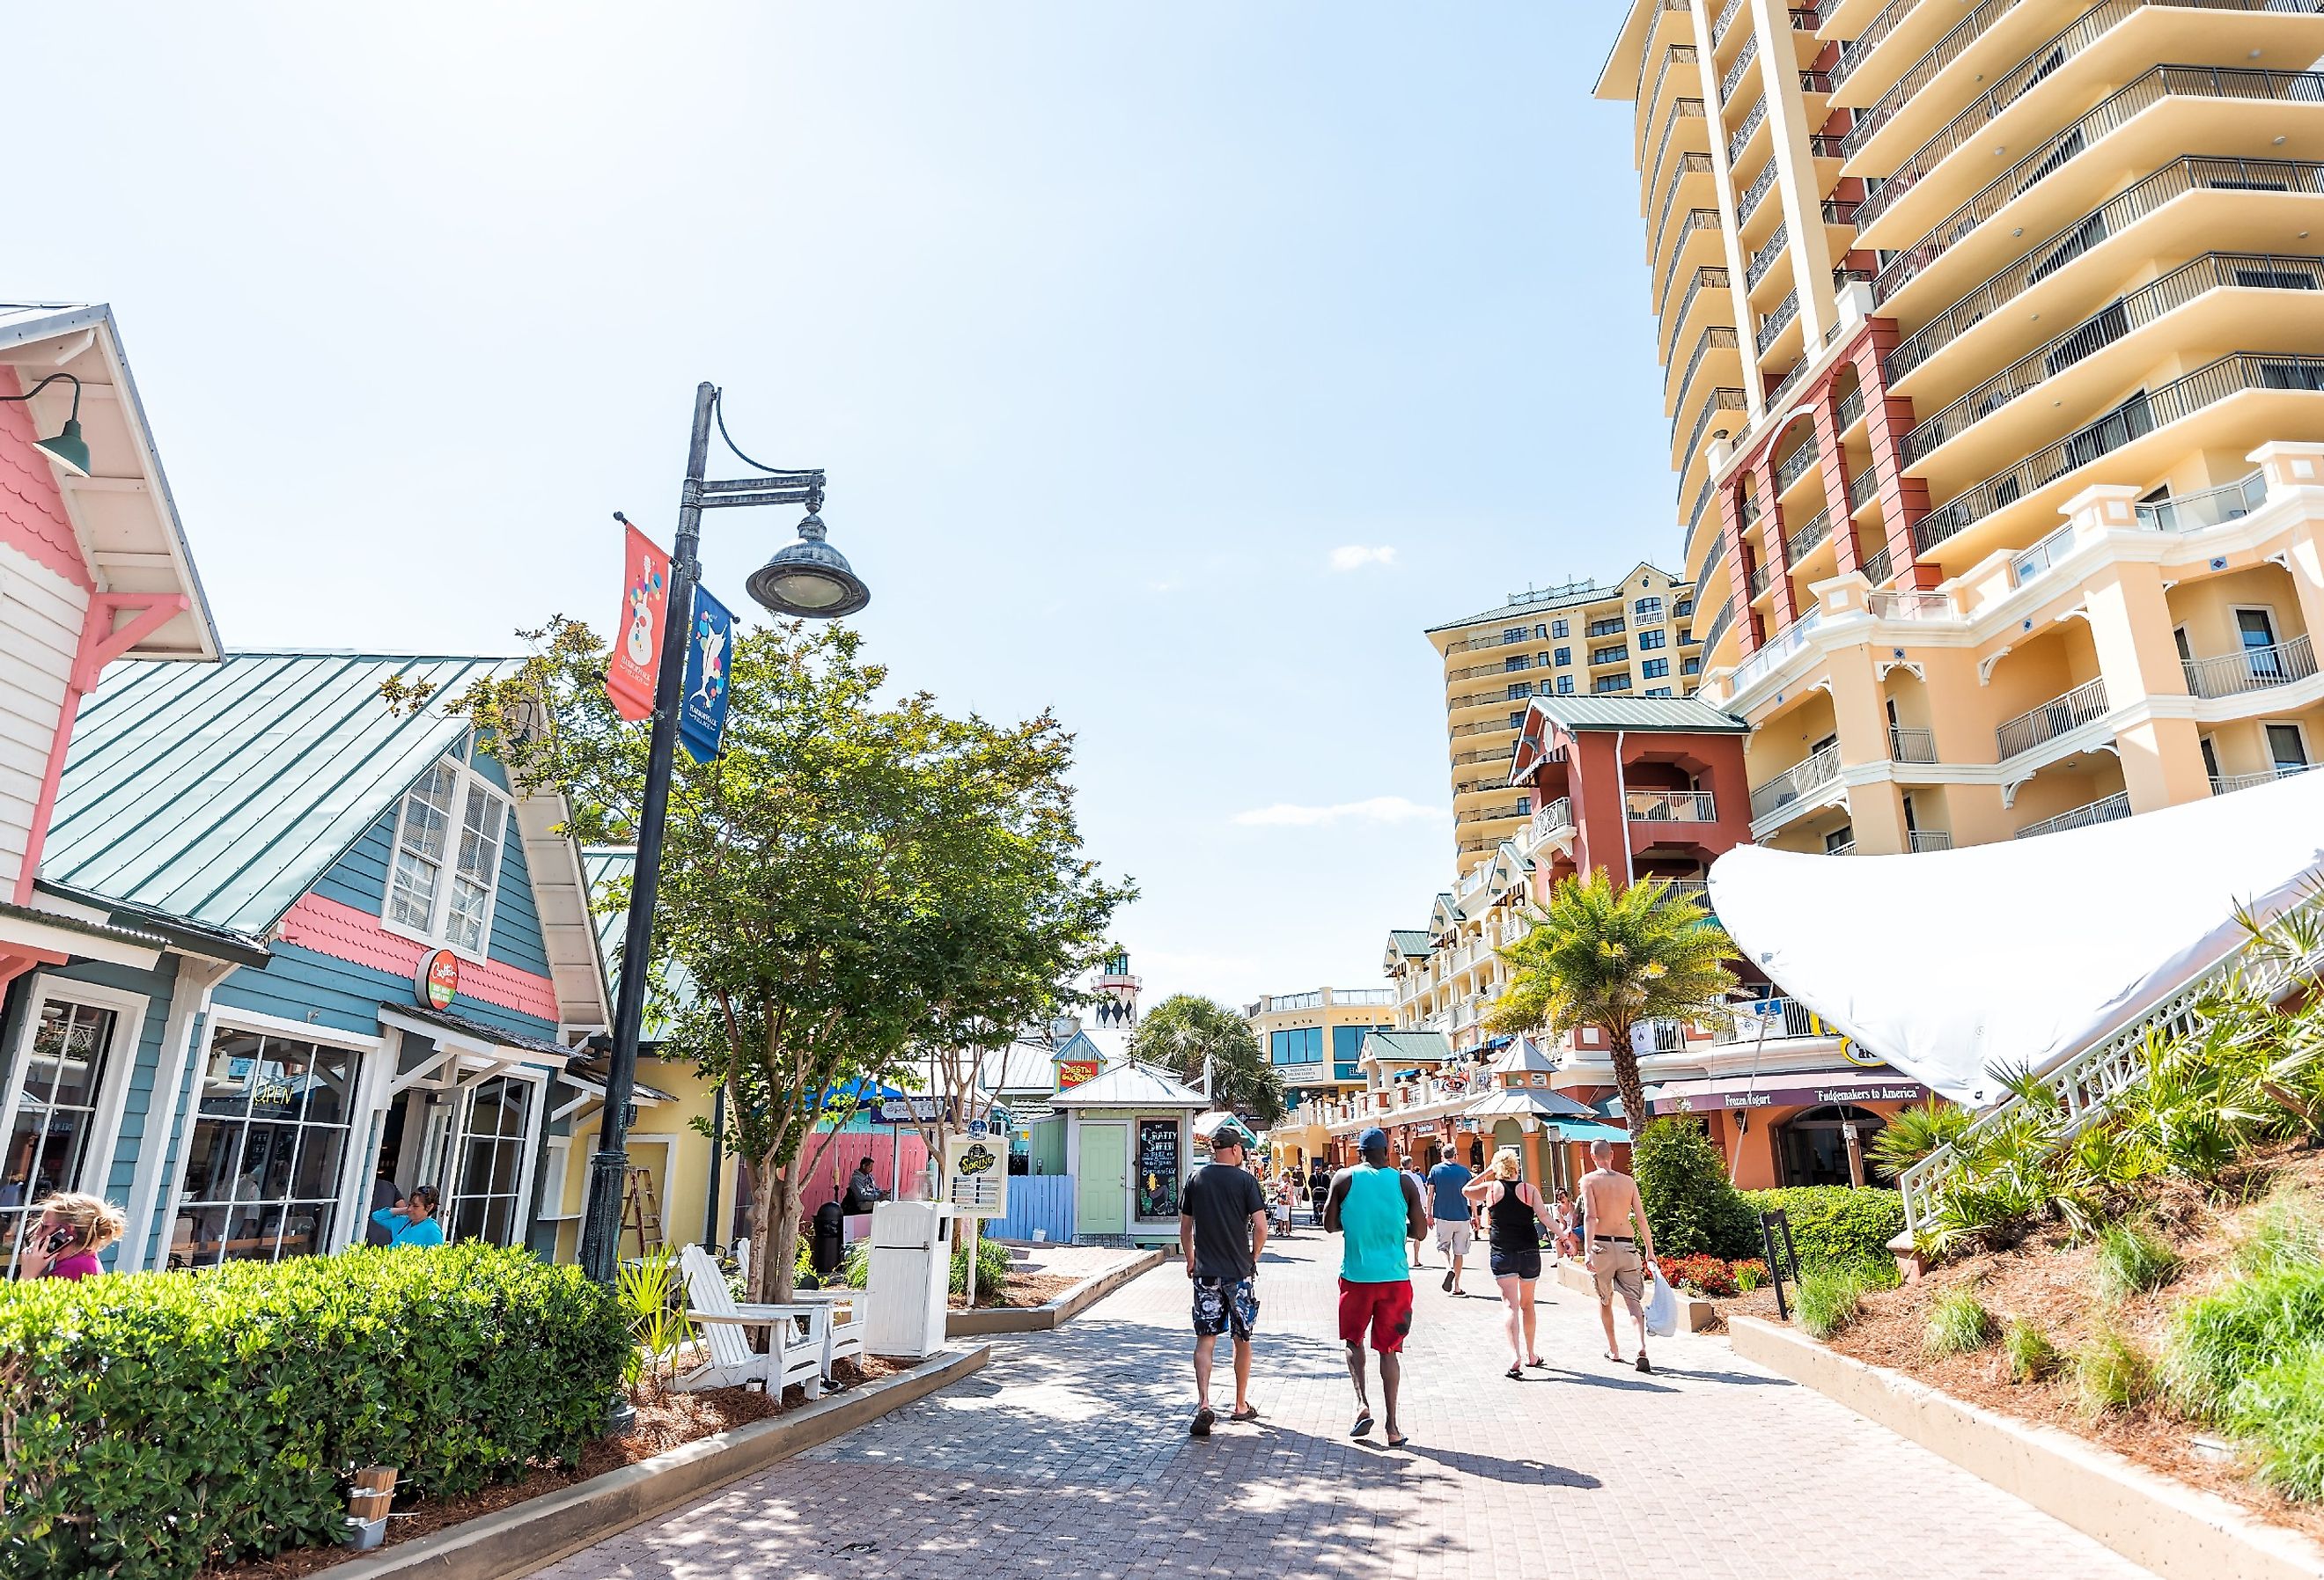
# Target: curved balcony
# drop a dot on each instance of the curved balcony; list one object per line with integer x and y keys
{"x": 2183, "y": 397}
{"x": 1818, "y": 771}
{"x": 2039, "y": 726}
{"x": 1683, "y": 112}
{"x": 2104, "y": 809}
{"x": 1717, "y": 337}
{"x": 1742, "y": 138}
{"x": 1859, "y": 49}
{"x": 1764, "y": 258}
{"x": 1874, "y": 119}
{"x": 1694, "y": 162}
{"x": 1778, "y": 318}
{"x": 2213, "y": 271}
{"x": 1718, "y": 624}
{"x": 2254, "y": 669}
{"x": 1676, "y": 58}
{"x": 1708, "y": 278}
{"x": 2064, "y": 148}
{"x": 1721, "y": 400}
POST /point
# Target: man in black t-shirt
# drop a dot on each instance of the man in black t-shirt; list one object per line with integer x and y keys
{"x": 1222, "y": 1228}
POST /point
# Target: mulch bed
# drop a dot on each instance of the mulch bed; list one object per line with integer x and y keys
{"x": 1022, "y": 1289}
{"x": 2049, "y": 1281}
{"x": 664, "y": 1423}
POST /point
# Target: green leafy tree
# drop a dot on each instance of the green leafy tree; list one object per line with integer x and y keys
{"x": 1186, "y": 1030}
{"x": 1692, "y": 1204}
{"x": 1615, "y": 960}
{"x": 850, "y": 881}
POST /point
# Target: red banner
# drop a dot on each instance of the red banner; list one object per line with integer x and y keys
{"x": 636, "y": 639}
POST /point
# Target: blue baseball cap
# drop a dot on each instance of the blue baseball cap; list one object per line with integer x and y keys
{"x": 1374, "y": 1140}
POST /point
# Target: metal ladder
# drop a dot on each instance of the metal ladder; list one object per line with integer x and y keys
{"x": 641, "y": 1213}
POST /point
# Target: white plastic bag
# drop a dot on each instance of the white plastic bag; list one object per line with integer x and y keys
{"x": 1661, "y": 1306}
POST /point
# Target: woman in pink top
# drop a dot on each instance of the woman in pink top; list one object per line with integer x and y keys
{"x": 65, "y": 1242}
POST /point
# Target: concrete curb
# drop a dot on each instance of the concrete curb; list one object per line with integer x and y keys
{"x": 540, "y": 1531}
{"x": 995, "y": 1320}
{"x": 1694, "y": 1312}
{"x": 2178, "y": 1531}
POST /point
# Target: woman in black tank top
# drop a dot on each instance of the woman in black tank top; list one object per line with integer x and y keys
{"x": 1514, "y": 1214}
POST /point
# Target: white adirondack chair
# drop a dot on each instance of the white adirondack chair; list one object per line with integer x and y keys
{"x": 791, "y": 1356}
{"x": 844, "y": 1336}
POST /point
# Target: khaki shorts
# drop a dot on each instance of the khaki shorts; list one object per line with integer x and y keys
{"x": 1616, "y": 1266}
{"x": 1453, "y": 1236}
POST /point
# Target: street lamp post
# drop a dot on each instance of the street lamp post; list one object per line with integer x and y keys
{"x": 808, "y": 579}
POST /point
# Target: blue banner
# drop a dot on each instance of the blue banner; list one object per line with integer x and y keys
{"x": 702, "y": 704}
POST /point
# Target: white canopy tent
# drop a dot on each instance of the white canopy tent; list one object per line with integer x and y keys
{"x": 1952, "y": 963}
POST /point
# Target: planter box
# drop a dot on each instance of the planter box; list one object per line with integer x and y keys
{"x": 992, "y": 1319}
{"x": 2176, "y": 1531}
{"x": 1694, "y": 1312}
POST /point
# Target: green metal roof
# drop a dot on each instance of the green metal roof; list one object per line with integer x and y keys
{"x": 1409, "y": 940}
{"x": 219, "y": 794}
{"x": 601, "y": 866}
{"x": 1402, "y": 1046}
{"x": 1524, "y": 607}
{"x": 1679, "y": 715}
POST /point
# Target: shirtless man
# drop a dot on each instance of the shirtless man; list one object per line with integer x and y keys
{"x": 1614, "y": 1256}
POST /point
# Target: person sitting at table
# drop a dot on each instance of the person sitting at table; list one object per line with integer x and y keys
{"x": 413, "y": 1223}
{"x": 65, "y": 1242}
{"x": 863, "y": 1192}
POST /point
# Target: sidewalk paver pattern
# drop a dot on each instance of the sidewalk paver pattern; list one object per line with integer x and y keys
{"x": 1068, "y": 1456}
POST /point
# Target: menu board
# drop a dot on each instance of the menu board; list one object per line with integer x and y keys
{"x": 1158, "y": 1168}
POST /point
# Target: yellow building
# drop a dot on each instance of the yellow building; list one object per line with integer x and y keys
{"x": 1448, "y": 973}
{"x": 1634, "y": 637}
{"x": 2010, "y": 514}
{"x": 1313, "y": 1039}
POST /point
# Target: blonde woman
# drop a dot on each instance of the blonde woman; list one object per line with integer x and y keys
{"x": 65, "y": 1242}
{"x": 1514, "y": 1216}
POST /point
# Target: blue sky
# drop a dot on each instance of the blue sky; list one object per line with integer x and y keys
{"x": 1174, "y": 367}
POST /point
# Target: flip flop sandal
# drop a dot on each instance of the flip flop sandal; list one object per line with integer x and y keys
{"x": 1613, "y": 1357}
{"x": 1397, "y": 1442}
{"x": 1363, "y": 1427}
{"x": 1247, "y": 1413}
{"x": 1538, "y": 1363}
{"x": 1514, "y": 1375}
{"x": 1200, "y": 1427}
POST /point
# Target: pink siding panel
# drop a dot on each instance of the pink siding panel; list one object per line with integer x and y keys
{"x": 343, "y": 933}
{"x": 32, "y": 516}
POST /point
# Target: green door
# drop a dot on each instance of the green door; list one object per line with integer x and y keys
{"x": 1102, "y": 1186}
{"x": 1049, "y": 1145}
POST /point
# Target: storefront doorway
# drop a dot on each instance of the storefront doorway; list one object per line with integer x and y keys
{"x": 1812, "y": 1145}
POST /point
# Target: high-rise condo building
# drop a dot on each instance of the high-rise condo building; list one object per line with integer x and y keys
{"x": 1632, "y": 637}
{"x": 1994, "y": 352}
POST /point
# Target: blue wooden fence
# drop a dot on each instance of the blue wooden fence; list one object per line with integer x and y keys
{"x": 1036, "y": 1201}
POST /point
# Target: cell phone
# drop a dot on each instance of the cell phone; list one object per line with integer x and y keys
{"x": 57, "y": 1240}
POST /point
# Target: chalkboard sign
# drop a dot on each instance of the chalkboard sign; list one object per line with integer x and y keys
{"x": 1158, "y": 1168}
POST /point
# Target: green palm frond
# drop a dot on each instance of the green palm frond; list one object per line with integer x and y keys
{"x": 1602, "y": 956}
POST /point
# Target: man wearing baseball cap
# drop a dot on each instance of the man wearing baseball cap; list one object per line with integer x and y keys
{"x": 1222, "y": 1230}
{"x": 1375, "y": 1208}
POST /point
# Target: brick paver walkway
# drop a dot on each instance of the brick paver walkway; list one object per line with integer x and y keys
{"x": 1068, "y": 1456}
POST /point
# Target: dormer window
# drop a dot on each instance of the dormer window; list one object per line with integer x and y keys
{"x": 446, "y": 871}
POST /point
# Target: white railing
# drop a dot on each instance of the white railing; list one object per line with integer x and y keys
{"x": 2055, "y": 717}
{"x": 1672, "y": 807}
{"x": 2087, "y": 1084}
{"x": 2227, "y": 784}
{"x": 1362, "y": 996}
{"x": 1742, "y": 1023}
{"x": 1930, "y": 839}
{"x": 1558, "y": 815}
{"x": 1794, "y": 638}
{"x": 2255, "y": 668}
{"x": 2038, "y": 559}
{"x": 1802, "y": 778}
{"x": 2188, "y": 511}
{"x": 1910, "y": 606}
{"x": 1310, "y": 1000}
{"x": 1907, "y": 744}
{"x": 2110, "y": 809}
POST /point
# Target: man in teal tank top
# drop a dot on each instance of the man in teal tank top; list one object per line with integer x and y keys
{"x": 1375, "y": 1208}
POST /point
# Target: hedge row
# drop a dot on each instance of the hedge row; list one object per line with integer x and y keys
{"x": 156, "y": 1422}
{"x": 1836, "y": 1224}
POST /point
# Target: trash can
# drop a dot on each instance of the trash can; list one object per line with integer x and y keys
{"x": 911, "y": 1266}
{"x": 829, "y": 1248}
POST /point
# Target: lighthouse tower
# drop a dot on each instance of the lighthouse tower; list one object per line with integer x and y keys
{"x": 1117, "y": 989}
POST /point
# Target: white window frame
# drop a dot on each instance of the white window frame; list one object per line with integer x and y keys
{"x": 455, "y": 1142}
{"x": 465, "y": 776}
{"x": 129, "y": 1010}
{"x": 2266, "y": 724}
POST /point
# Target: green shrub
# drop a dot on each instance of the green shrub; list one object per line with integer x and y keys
{"x": 2111, "y": 1374}
{"x": 161, "y": 1420}
{"x": 1913, "y": 1133}
{"x": 2287, "y": 1232}
{"x": 2027, "y": 1352}
{"x": 1694, "y": 1208}
{"x": 1830, "y": 1296}
{"x": 2279, "y": 1412}
{"x": 1750, "y": 1273}
{"x": 855, "y": 1271}
{"x": 2220, "y": 1340}
{"x": 1836, "y": 1222}
{"x": 1959, "y": 1325}
{"x": 991, "y": 1269}
{"x": 2133, "y": 1261}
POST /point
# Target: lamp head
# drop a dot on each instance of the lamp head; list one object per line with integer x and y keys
{"x": 68, "y": 450}
{"x": 808, "y": 579}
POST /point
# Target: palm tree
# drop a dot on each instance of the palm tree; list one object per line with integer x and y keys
{"x": 1608, "y": 958}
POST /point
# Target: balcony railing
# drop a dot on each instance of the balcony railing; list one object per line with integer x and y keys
{"x": 1742, "y": 138}
{"x": 1896, "y": 605}
{"x": 1682, "y": 112}
{"x": 1818, "y": 770}
{"x": 2168, "y": 403}
{"x": 1750, "y": 53}
{"x": 1717, "y": 337}
{"x": 1925, "y": 839}
{"x": 1794, "y": 638}
{"x": 1759, "y": 188}
{"x": 1850, "y": 411}
{"x": 2227, "y": 784}
{"x": 1876, "y": 564}
{"x": 1491, "y": 814}
{"x": 1773, "y": 325}
{"x": 2038, "y": 559}
{"x": 1480, "y": 727}
{"x": 1845, "y": 847}
{"x": 2190, "y": 513}
{"x": 2255, "y": 668}
{"x": 2054, "y": 153}
{"x": 1853, "y": 53}
{"x": 1761, "y": 574}
{"x": 1722, "y": 399}
{"x": 2104, "y": 809}
{"x": 1908, "y": 744}
{"x": 1672, "y": 807}
{"x": 1741, "y": 1023}
{"x": 1693, "y": 161}
{"x": 1708, "y": 277}
{"x": 1505, "y": 749}
{"x": 1718, "y": 624}
{"x": 2062, "y": 714}
{"x": 1873, "y": 118}
{"x": 1798, "y": 546}
{"x": 1718, "y": 28}
{"x": 1764, "y": 258}
{"x": 1677, "y": 55}
{"x": 1795, "y": 465}
{"x": 1550, "y": 821}
{"x": 2212, "y": 272}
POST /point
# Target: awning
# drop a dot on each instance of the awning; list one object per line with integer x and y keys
{"x": 1526, "y": 1103}
{"x": 1576, "y": 1130}
{"x": 1949, "y": 964}
{"x": 1789, "y": 1089}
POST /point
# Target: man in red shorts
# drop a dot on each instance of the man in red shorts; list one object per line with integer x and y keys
{"x": 1375, "y": 1208}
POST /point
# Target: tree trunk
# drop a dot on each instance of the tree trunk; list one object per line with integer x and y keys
{"x": 1628, "y": 1081}
{"x": 774, "y": 1251}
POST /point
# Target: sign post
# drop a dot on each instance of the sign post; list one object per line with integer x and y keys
{"x": 976, "y": 1187}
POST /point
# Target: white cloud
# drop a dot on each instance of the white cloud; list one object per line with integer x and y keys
{"x": 1355, "y": 556}
{"x": 1377, "y": 809}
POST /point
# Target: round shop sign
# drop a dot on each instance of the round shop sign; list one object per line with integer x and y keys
{"x": 1858, "y": 1057}
{"x": 437, "y": 980}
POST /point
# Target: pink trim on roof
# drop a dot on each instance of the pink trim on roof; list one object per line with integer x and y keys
{"x": 343, "y": 933}
{"x": 32, "y": 512}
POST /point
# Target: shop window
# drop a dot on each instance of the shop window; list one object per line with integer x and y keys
{"x": 1813, "y": 1146}
{"x": 271, "y": 1135}
{"x": 449, "y": 836}
{"x": 1300, "y": 1045}
{"x": 488, "y": 1162}
{"x": 55, "y": 1118}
